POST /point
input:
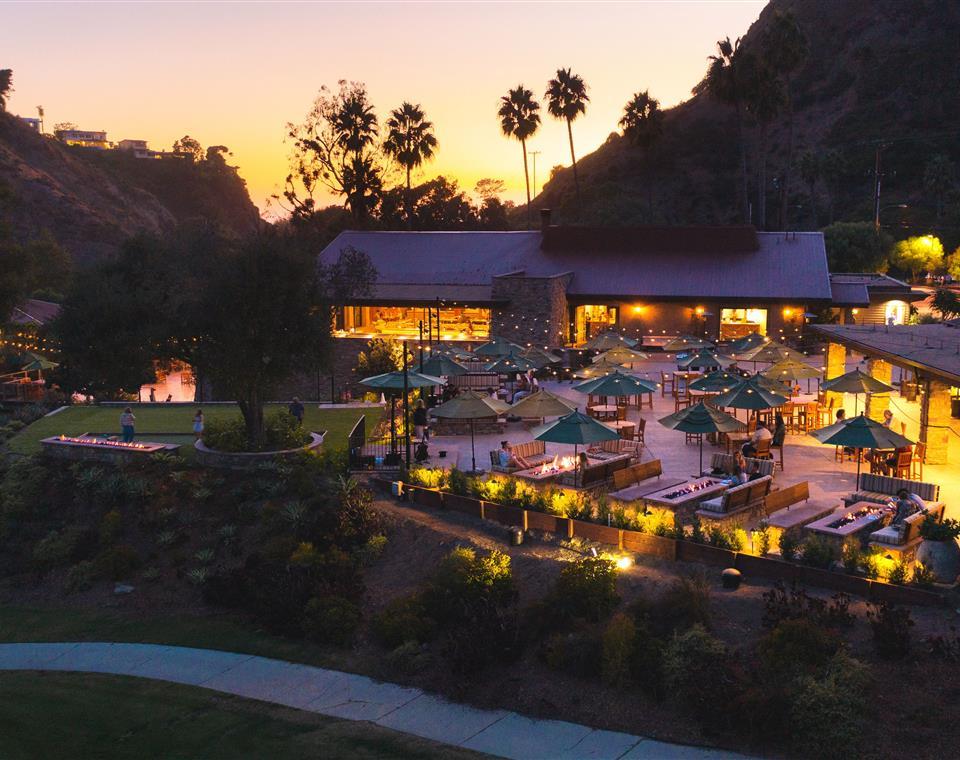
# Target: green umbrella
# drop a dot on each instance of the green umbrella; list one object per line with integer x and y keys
{"x": 860, "y": 432}
{"x": 705, "y": 358}
{"x": 576, "y": 428}
{"x": 621, "y": 355}
{"x": 747, "y": 343}
{"x": 609, "y": 339}
{"x": 718, "y": 381}
{"x": 750, "y": 394}
{"x": 700, "y": 418}
{"x": 541, "y": 356}
{"x": 470, "y": 405}
{"x": 394, "y": 381}
{"x": 454, "y": 352}
{"x": 790, "y": 369}
{"x": 771, "y": 352}
{"x": 856, "y": 382}
{"x": 510, "y": 364}
{"x": 616, "y": 384}
{"x": 687, "y": 343}
{"x": 441, "y": 365}
{"x": 597, "y": 369}
{"x": 497, "y": 346}
{"x": 541, "y": 404}
{"x": 38, "y": 364}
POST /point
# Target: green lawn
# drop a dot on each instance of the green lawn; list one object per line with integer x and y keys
{"x": 81, "y": 715}
{"x": 226, "y": 632}
{"x": 172, "y": 424}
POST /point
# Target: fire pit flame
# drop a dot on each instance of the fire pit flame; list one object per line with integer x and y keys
{"x": 101, "y": 442}
{"x": 557, "y": 464}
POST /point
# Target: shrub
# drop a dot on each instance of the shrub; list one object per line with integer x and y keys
{"x": 779, "y": 605}
{"x": 683, "y": 604}
{"x": 646, "y": 662}
{"x": 617, "y": 648}
{"x": 404, "y": 620}
{"x": 788, "y": 546}
{"x": 724, "y": 538}
{"x": 110, "y": 526}
{"x": 818, "y": 552}
{"x": 923, "y": 576}
{"x": 407, "y": 659}
{"x": 370, "y": 552}
{"x": 891, "y": 629}
{"x": 458, "y": 482}
{"x": 697, "y": 672}
{"x": 899, "y": 573}
{"x": 946, "y": 530}
{"x": 80, "y": 576}
{"x": 116, "y": 562}
{"x": 575, "y": 652}
{"x": 586, "y": 588}
{"x": 851, "y": 555}
{"x": 796, "y": 647}
{"x": 945, "y": 647}
{"x": 62, "y": 547}
{"x": 828, "y": 714}
{"x": 763, "y": 538}
{"x": 280, "y": 431}
{"x": 331, "y": 620}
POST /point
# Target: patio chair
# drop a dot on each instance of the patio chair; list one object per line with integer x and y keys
{"x": 763, "y": 449}
{"x": 916, "y": 463}
{"x": 666, "y": 380}
{"x": 621, "y": 412}
{"x": 903, "y": 467}
{"x": 680, "y": 403}
{"x": 779, "y": 448}
{"x": 639, "y": 430}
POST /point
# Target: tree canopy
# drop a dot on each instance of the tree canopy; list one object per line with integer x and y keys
{"x": 6, "y": 87}
{"x": 923, "y": 253}
{"x": 856, "y": 247}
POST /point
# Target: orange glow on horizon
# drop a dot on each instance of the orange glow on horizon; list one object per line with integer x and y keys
{"x": 235, "y": 74}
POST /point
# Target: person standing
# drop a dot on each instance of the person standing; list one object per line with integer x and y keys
{"x": 296, "y": 409}
{"x": 198, "y": 424}
{"x": 153, "y": 395}
{"x": 419, "y": 420}
{"x": 127, "y": 421}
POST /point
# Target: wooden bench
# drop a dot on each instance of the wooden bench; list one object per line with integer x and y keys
{"x": 901, "y": 542}
{"x": 737, "y": 504}
{"x": 783, "y": 514}
{"x": 725, "y": 462}
{"x": 636, "y": 473}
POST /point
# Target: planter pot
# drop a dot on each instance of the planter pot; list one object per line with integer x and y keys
{"x": 942, "y": 558}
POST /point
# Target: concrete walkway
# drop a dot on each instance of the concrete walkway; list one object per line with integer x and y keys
{"x": 350, "y": 696}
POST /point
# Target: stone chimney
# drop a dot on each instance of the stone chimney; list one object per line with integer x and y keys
{"x": 544, "y": 219}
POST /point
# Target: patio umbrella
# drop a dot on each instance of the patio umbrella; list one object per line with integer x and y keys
{"x": 441, "y": 365}
{"x": 856, "y": 382}
{"x": 395, "y": 381}
{"x": 541, "y": 356}
{"x": 598, "y": 369}
{"x": 790, "y": 371}
{"x": 747, "y": 343}
{"x": 609, "y": 339}
{"x": 860, "y": 432}
{"x": 687, "y": 343}
{"x": 455, "y": 352}
{"x": 510, "y": 364}
{"x": 771, "y": 352}
{"x": 621, "y": 355}
{"x": 616, "y": 384}
{"x": 700, "y": 418}
{"x": 751, "y": 394}
{"x": 470, "y": 405}
{"x": 718, "y": 381}
{"x": 497, "y": 346}
{"x": 576, "y": 428}
{"x": 705, "y": 358}
{"x": 38, "y": 364}
{"x": 541, "y": 404}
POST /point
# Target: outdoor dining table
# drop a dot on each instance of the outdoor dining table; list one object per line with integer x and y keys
{"x": 604, "y": 411}
{"x": 625, "y": 427}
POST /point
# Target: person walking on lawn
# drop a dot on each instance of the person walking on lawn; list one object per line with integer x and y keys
{"x": 127, "y": 421}
{"x": 198, "y": 424}
{"x": 296, "y": 409}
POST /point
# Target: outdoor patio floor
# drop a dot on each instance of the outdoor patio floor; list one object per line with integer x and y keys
{"x": 804, "y": 457}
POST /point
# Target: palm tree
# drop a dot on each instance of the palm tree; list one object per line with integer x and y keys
{"x": 764, "y": 97}
{"x": 520, "y": 119}
{"x": 811, "y": 168}
{"x": 355, "y": 123}
{"x": 642, "y": 121}
{"x": 410, "y": 139}
{"x": 566, "y": 99}
{"x": 722, "y": 81}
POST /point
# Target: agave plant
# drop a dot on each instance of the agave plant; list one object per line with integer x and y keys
{"x": 227, "y": 533}
{"x": 87, "y": 478}
{"x": 204, "y": 556}
{"x": 167, "y": 537}
{"x": 294, "y": 513}
{"x": 201, "y": 493}
{"x": 167, "y": 515}
{"x": 198, "y": 576}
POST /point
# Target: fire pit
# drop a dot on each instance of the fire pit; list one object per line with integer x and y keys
{"x": 102, "y": 449}
{"x": 684, "y": 498}
{"x": 549, "y": 470}
{"x": 861, "y": 517}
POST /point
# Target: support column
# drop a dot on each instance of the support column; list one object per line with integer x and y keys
{"x": 878, "y": 403}
{"x": 836, "y": 365}
{"x": 935, "y": 420}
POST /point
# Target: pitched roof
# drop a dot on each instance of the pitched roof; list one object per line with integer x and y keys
{"x": 849, "y": 293}
{"x": 782, "y": 266}
{"x": 34, "y": 312}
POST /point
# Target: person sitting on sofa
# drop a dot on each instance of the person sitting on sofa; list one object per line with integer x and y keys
{"x": 906, "y": 504}
{"x": 509, "y": 459}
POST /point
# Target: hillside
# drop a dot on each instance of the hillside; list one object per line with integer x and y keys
{"x": 883, "y": 70}
{"x": 90, "y": 201}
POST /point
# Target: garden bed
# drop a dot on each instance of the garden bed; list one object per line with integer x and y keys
{"x": 247, "y": 460}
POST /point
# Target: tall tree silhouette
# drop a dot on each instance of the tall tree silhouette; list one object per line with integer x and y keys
{"x": 642, "y": 125}
{"x": 764, "y": 98}
{"x": 722, "y": 81}
{"x": 6, "y": 87}
{"x": 566, "y": 99}
{"x": 519, "y": 115}
{"x": 410, "y": 141}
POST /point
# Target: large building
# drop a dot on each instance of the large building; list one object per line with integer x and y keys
{"x": 83, "y": 138}
{"x": 872, "y": 299}
{"x": 560, "y": 285}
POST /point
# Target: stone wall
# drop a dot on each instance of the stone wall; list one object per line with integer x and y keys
{"x": 537, "y": 311}
{"x": 878, "y": 403}
{"x": 935, "y": 420}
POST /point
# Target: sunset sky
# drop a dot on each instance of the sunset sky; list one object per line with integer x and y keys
{"x": 235, "y": 73}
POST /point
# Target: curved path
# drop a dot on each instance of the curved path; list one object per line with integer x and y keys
{"x": 352, "y": 697}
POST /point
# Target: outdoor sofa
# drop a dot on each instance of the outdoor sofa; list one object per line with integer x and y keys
{"x": 533, "y": 452}
{"x": 880, "y": 489}
{"x": 903, "y": 539}
{"x": 738, "y": 503}
{"x": 621, "y": 446}
{"x": 723, "y": 464}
